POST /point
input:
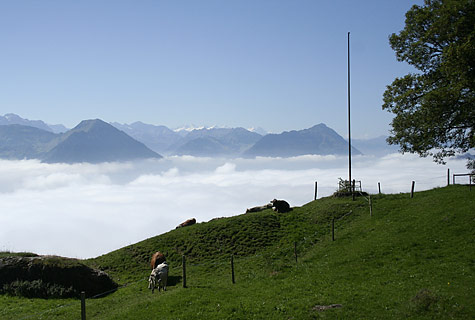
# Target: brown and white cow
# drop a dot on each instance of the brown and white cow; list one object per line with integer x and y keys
{"x": 157, "y": 258}
{"x": 158, "y": 277}
{"x": 187, "y": 223}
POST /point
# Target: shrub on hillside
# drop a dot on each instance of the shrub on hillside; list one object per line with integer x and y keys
{"x": 37, "y": 289}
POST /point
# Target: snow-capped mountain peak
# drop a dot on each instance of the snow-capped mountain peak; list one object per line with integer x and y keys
{"x": 189, "y": 128}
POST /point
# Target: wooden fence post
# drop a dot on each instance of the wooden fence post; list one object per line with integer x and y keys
{"x": 412, "y": 189}
{"x": 448, "y": 176}
{"x": 295, "y": 251}
{"x": 333, "y": 229}
{"x": 83, "y": 305}
{"x": 232, "y": 268}
{"x": 370, "y": 206}
{"x": 316, "y": 184}
{"x": 379, "y": 188}
{"x": 353, "y": 189}
{"x": 183, "y": 263}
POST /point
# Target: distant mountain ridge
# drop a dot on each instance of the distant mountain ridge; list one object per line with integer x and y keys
{"x": 319, "y": 140}
{"x": 375, "y": 146}
{"x": 200, "y": 142}
{"x": 24, "y": 142}
{"x": 98, "y": 141}
{"x": 158, "y": 138}
{"x": 90, "y": 141}
{"x": 216, "y": 142}
{"x": 11, "y": 118}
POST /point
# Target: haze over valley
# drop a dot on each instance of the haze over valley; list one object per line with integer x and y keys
{"x": 84, "y": 210}
{"x": 88, "y": 190}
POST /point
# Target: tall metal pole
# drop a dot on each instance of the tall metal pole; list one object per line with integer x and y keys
{"x": 349, "y": 126}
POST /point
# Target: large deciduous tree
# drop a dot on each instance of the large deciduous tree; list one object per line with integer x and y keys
{"x": 434, "y": 107}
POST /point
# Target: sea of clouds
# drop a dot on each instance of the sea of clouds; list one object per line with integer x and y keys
{"x": 85, "y": 210}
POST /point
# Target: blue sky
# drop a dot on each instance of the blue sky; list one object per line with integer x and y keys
{"x": 280, "y": 65}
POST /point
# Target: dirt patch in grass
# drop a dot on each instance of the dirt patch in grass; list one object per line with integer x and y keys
{"x": 323, "y": 308}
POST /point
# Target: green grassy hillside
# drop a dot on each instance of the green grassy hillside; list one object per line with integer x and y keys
{"x": 414, "y": 258}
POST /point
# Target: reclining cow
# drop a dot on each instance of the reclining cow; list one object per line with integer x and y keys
{"x": 280, "y": 206}
{"x": 187, "y": 223}
{"x": 158, "y": 277}
{"x": 259, "y": 208}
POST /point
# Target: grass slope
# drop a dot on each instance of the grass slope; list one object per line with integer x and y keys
{"x": 415, "y": 258}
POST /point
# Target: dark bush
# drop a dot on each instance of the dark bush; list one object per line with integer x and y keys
{"x": 37, "y": 289}
{"x": 51, "y": 276}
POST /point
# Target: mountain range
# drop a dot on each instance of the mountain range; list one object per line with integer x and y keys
{"x": 97, "y": 141}
{"x": 318, "y": 139}
{"x": 11, "y": 118}
{"x": 375, "y": 146}
{"x": 92, "y": 141}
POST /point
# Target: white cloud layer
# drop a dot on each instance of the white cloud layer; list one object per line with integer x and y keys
{"x": 85, "y": 210}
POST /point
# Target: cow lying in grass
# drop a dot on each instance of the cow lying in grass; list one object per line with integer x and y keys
{"x": 158, "y": 277}
{"x": 259, "y": 208}
{"x": 280, "y": 206}
{"x": 187, "y": 223}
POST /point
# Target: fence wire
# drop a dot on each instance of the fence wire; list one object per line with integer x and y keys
{"x": 424, "y": 181}
{"x": 373, "y": 188}
{"x": 42, "y": 313}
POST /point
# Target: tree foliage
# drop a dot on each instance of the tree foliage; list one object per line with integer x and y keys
{"x": 434, "y": 107}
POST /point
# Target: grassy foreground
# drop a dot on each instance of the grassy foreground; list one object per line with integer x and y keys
{"x": 414, "y": 258}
